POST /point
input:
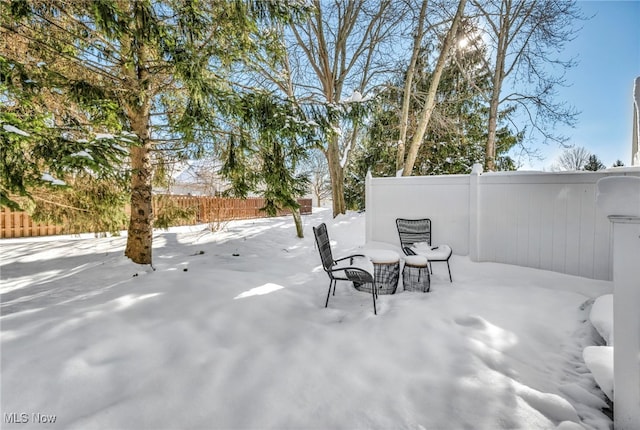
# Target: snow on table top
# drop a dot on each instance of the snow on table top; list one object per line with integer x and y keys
{"x": 416, "y": 260}
{"x": 382, "y": 256}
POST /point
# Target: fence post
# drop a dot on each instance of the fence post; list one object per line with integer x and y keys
{"x": 369, "y": 215}
{"x": 474, "y": 212}
{"x": 619, "y": 197}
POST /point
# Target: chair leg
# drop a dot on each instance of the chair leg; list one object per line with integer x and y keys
{"x": 449, "y": 268}
{"x": 334, "y": 286}
{"x": 331, "y": 283}
{"x": 373, "y": 294}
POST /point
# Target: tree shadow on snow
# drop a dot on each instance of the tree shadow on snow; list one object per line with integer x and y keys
{"x": 37, "y": 275}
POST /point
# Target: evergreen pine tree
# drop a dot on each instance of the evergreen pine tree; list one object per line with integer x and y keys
{"x": 44, "y": 146}
{"x": 270, "y": 141}
{"x": 594, "y": 163}
{"x": 138, "y": 60}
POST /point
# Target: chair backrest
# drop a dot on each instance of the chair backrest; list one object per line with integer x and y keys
{"x": 324, "y": 246}
{"x": 413, "y": 230}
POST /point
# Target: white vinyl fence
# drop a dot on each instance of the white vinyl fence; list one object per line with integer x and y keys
{"x": 535, "y": 219}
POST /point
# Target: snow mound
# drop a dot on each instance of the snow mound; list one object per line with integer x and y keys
{"x": 599, "y": 359}
{"x": 602, "y": 317}
{"x": 550, "y": 405}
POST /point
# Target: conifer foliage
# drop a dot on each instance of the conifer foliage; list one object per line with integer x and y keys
{"x": 270, "y": 141}
{"x": 158, "y": 69}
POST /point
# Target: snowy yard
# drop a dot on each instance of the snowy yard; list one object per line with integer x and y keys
{"x": 216, "y": 341}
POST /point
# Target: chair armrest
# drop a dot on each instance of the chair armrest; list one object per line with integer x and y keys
{"x": 349, "y": 256}
{"x": 408, "y": 251}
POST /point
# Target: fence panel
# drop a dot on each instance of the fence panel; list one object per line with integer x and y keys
{"x": 534, "y": 219}
{"x": 443, "y": 199}
{"x": 20, "y": 224}
{"x": 542, "y": 220}
{"x": 208, "y": 209}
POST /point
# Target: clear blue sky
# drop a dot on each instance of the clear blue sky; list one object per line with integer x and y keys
{"x": 607, "y": 49}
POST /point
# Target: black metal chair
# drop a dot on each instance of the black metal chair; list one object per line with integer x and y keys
{"x": 418, "y": 231}
{"x": 336, "y": 270}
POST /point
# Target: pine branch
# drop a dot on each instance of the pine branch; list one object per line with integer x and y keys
{"x": 37, "y": 197}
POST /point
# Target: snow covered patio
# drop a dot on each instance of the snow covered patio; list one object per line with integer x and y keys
{"x": 211, "y": 340}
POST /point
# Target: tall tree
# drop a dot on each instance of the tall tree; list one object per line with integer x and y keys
{"x": 266, "y": 151}
{"x": 418, "y": 36}
{"x": 45, "y": 142}
{"x": 163, "y": 66}
{"x": 524, "y": 37}
{"x": 426, "y": 111}
{"x": 456, "y": 135}
{"x": 594, "y": 164}
{"x": 574, "y": 158}
{"x": 455, "y": 138}
{"x": 342, "y": 52}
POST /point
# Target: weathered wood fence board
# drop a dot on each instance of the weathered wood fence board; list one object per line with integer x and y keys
{"x": 207, "y": 209}
{"x": 20, "y": 224}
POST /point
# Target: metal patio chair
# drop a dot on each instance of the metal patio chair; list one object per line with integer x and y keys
{"x": 342, "y": 269}
{"x": 415, "y": 239}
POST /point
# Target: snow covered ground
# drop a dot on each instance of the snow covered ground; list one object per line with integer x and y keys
{"x": 215, "y": 341}
{"x": 599, "y": 359}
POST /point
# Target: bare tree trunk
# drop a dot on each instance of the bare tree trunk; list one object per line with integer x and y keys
{"x": 498, "y": 78}
{"x": 490, "y": 147}
{"x": 408, "y": 85}
{"x": 297, "y": 219}
{"x": 344, "y": 41}
{"x": 336, "y": 174}
{"x": 430, "y": 104}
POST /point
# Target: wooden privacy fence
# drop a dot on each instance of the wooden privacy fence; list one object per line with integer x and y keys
{"x": 206, "y": 210}
{"x": 213, "y": 209}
